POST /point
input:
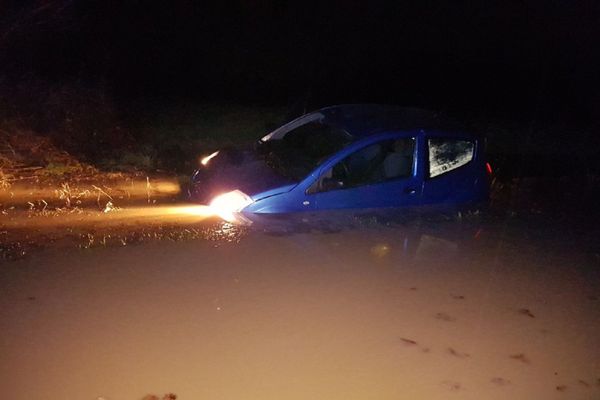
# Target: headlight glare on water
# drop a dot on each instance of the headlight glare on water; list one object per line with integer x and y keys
{"x": 226, "y": 204}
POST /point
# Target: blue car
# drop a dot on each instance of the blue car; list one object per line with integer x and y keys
{"x": 347, "y": 157}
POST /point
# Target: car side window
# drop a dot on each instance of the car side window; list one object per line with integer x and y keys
{"x": 447, "y": 154}
{"x": 375, "y": 163}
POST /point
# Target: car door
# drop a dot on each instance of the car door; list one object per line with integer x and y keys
{"x": 451, "y": 172}
{"x": 380, "y": 174}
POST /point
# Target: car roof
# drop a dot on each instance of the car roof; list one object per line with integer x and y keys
{"x": 362, "y": 120}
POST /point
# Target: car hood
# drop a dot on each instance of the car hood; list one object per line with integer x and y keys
{"x": 241, "y": 170}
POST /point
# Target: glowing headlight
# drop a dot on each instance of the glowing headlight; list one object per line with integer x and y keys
{"x": 226, "y": 204}
{"x": 205, "y": 160}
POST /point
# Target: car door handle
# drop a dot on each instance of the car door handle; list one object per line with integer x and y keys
{"x": 410, "y": 190}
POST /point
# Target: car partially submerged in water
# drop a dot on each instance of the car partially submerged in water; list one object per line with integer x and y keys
{"x": 347, "y": 157}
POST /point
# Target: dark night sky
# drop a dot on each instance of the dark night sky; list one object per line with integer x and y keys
{"x": 497, "y": 56}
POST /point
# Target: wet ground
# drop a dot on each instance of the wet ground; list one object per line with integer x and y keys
{"x": 472, "y": 308}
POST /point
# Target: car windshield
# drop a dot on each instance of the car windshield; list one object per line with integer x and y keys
{"x": 304, "y": 148}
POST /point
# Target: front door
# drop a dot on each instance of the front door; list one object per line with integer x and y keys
{"x": 381, "y": 174}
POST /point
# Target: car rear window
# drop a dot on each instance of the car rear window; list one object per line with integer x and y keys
{"x": 447, "y": 154}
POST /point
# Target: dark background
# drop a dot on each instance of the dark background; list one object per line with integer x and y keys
{"x": 525, "y": 63}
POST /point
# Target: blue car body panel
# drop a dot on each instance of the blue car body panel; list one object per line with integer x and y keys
{"x": 367, "y": 125}
{"x": 273, "y": 192}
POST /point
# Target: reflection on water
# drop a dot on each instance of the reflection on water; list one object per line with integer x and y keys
{"x": 430, "y": 309}
{"x": 22, "y": 232}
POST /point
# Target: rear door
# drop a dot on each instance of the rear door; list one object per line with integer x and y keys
{"x": 451, "y": 171}
{"x": 383, "y": 173}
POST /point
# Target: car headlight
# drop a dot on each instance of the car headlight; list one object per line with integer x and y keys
{"x": 226, "y": 204}
{"x": 205, "y": 160}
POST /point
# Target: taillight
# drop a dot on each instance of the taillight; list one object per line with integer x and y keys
{"x": 488, "y": 168}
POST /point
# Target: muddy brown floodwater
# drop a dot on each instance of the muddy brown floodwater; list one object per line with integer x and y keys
{"x": 415, "y": 311}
